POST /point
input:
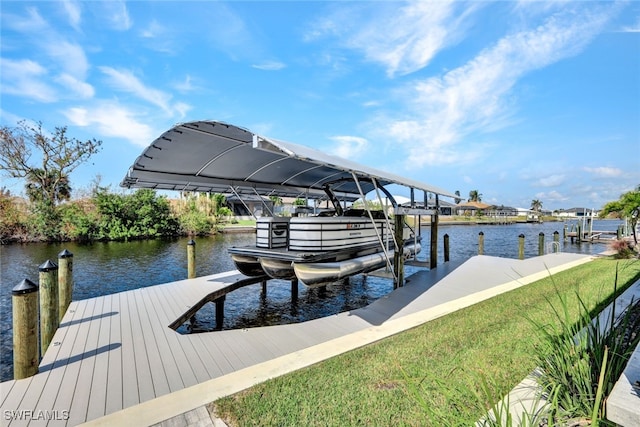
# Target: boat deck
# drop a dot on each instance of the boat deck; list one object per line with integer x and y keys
{"x": 117, "y": 351}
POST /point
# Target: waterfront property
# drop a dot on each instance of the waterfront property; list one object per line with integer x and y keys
{"x": 116, "y": 355}
{"x": 210, "y": 156}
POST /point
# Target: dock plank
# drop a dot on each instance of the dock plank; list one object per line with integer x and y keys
{"x": 118, "y": 351}
{"x": 98, "y": 390}
{"x": 114, "y": 378}
{"x": 87, "y": 369}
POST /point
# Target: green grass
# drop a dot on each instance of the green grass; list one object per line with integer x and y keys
{"x": 445, "y": 373}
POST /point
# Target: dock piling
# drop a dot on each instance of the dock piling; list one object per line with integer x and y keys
{"x": 294, "y": 290}
{"x": 481, "y": 243}
{"x": 446, "y": 248}
{"x": 191, "y": 259}
{"x": 49, "y": 318}
{"x": 521, "y": 246}
{"x": 556, "y": 239}
{"x": 541, "y": 243}
{"x": 24, "y": 298}
{"x": 220, "y": 312}
{"x": 65, "y": 281}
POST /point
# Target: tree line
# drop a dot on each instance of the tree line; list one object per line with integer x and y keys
{"x": 44, "y": 162}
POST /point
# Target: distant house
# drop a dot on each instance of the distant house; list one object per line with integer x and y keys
{"x": 502, "y": 211}
{"x": 470, "y": 208}
{"x": 576, "y": 212}
{"x": 249, "y": 206}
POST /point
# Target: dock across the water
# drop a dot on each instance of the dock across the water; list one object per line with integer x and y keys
{"x": 115, "y": 359}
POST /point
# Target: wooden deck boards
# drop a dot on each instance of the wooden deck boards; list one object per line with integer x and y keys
{"x": 116, "y": 351}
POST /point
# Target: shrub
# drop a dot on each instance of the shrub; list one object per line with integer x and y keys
{"x": 622, "y": 248}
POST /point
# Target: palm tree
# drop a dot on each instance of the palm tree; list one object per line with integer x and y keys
{"x": 536, "y": 205}
{"x": 475, "y": 196}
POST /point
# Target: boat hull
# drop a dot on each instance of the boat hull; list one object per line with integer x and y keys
{"x": 248, "y": 265}
{"x": 322, "y": 273}
{"x": 278, "y": 269}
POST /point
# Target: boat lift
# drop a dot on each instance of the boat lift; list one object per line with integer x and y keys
{"x": 216, "y": 157}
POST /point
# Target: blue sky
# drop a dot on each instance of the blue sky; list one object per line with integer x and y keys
{"x": 518, "y": 100}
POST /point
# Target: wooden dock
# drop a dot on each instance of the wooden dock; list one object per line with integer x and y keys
{"x": 118, "y": 351}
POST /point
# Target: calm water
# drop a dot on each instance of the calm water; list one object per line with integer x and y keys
{"x": 105, "y": 268}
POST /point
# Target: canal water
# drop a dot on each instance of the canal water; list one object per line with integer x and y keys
{"x": 107, "y": 267}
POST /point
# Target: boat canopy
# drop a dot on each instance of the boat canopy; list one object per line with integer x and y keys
{"x": 216, "y": 157}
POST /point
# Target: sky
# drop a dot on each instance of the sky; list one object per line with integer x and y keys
{"x": 517, "y": 100}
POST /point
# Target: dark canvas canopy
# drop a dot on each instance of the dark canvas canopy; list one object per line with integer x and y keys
{"x": 209, "y": 156}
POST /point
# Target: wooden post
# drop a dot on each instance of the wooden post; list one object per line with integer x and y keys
{"x": 446, "y": 248}
{"x": 521, "y": 246}
{"x": 65, "y": 281}
{"x": 294, "y": 289}
{"x": 481, "y": 243}
{"x": 433, "y": 258}
{"x": 191, "y": 259}
{"x": 541, "y": 243}
{"x": 619, "y": 232}
{"x": 556, "y": 239}
{"x": 264, "y": 288}
{"x": 49, "y": 319}
{"x": 398, "y": 256}
{"x": 220, "y": 312}
{"x": 564, "y": 232}
{"x": 25, "y": 329}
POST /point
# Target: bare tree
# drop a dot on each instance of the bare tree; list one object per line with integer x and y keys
{"x": 59, "y": 155}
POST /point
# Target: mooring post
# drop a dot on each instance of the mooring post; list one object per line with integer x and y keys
{"x": 521, "y": 246}
{"x": 619, "y": 232}
{"x": 481, "y": 243}
{"x": 541, "y": 243}
{"x": 433, "y": 254}
{"x": 65, "y": 281}
{"x": 556, "y": 239}
{"x": 191, "y": 259}
{"x": 24, "y": 298}
{"x": 446, "y": 248}
{"x": 564, "y": 232}
{"x": 294, "y": 289}
{"x": 220, "y": 312}
{"x": 49, "y": 319}
{"x": 398, "y": 255}
{"x": 579, "y": 234}
{"x": 264, "y": 288}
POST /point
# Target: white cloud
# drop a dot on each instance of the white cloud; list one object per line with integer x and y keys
{"x": 26, "y": 78}
{"x": 72, "y": 8}
{"x": 79, "y": 88}
{"x": 402, "y": 39}
{"x": 269, "y": 66}
{"x": 125, "y": 81}
{"x": 476, "y": 96}
{"x": 349, "y": 147}
{"x": 550, "y": 181}
{"x": 112, "y": 120}
{"x": 551, "y": 196}
{"x": 604, "y": 172}
{"x": 117, "y": 14}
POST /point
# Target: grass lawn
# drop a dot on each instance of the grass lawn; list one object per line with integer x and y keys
{"x": 430, "y": 375}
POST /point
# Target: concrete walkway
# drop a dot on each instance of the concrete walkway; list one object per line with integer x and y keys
{"x": 426, "y": 296}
